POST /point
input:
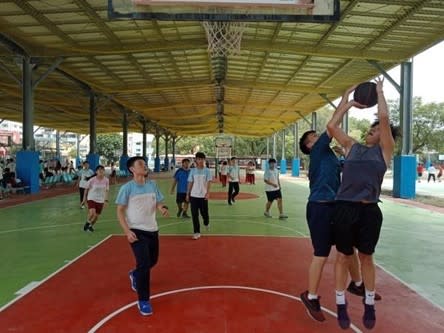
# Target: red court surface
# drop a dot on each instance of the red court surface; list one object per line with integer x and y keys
{"x": 215, "y": 284}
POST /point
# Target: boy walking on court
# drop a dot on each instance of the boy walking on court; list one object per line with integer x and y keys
{"x": 83, "y": 175}
{"x": 233, "y": 175}
{"x": 199, "y": 182}
{"x": 181, "y": 180}
{"x": 96, "y": 197}
{"x": 137, "y": 202}
{"x": 273, "y": 189}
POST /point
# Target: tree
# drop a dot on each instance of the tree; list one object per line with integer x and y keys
{"x": 109, "y": 146}
{"x": 428, "y": 125}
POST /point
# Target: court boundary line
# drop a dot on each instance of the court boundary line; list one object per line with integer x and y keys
{"x": 191, "y": 289}
{"x": 55, "y": 272}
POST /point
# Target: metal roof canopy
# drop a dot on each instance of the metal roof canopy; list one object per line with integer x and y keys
{"x": 162, "y": 71}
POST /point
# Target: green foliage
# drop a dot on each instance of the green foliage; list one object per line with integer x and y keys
{"x": 428, "y": 125}
{"x": 109, "y": 146}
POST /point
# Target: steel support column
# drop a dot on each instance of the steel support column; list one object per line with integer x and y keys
{"x": 296, "y": 161}
{"x": 28, "y": 105}
{"x": 144, "y": 130}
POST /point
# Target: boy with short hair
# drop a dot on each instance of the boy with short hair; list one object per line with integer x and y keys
{"x": 273, "y": 189}
{"x": 137, "y": 202}
{"x": 199, "y": 182}
{"x": 181, "y": 180}
{"x": 96, "y": 197}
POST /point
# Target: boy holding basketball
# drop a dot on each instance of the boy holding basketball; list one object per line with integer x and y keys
{"x": 357, "y": 218}
{"x": 137, "y": 202}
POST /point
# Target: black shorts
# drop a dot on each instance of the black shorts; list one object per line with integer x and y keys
{"x": 273, "y": 195}
{"x": 181, "y": 197}
{"x": 356, "y": 225}
{"x": 320, "y": 223}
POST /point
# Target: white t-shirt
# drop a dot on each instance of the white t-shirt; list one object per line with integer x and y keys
{"x": 141, "y": 201}
{"x": 233, "y": 173}
{"x": 223, "y": 169}
{"x": 97, "y": 189}
{"x": 83, "y": 174}
{"x": 200, "y": 179}
{"x": 271, "y": 176}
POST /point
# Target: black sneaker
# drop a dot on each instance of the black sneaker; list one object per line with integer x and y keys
{"x": 185, "y": 216}
{"x": 86, "y": 226}
{"x": 90, "y": 228}
{"x": 360, "y": 291}
{"x": 179, "y": 213}
{"x": 313, "y": 307}
{"x": 369, "y": 317}
{"x": 343, "y": 318}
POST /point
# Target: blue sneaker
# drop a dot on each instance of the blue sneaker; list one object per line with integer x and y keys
{"x": 132, "y": 281}
{"x": 343, "y": 318}
{"x": 145, "y": 308}
{"x": 369, "y": 317}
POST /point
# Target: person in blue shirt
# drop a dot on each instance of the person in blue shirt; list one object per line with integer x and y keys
{"x": 137, "y": 202}
{"x": 181, "y": 180}
{"x": 199, "y": 182}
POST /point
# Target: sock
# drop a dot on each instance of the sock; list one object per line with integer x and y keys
{"x": 358, "y": 283}
{"x": 369, "y": 297}
{"x": 312, "y": 296}
{"x": 340, "y": 297}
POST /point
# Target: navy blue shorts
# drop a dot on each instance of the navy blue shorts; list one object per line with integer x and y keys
{"x": 181, "y": 197}
{"x": 320, "y": 223}
{"x": 356, "y": 225}
{"x": 273, "y": 195}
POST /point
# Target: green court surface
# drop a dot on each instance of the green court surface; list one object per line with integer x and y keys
{"x": 38, "y": 238}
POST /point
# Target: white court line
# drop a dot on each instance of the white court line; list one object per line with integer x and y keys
{"x": 410, "y": 287}
{"x": 268, "y": 291}
{"x": 54, "y": 273}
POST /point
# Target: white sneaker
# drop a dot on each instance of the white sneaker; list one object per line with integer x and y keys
{"x": 196, "y": 236}
{"x": 283, "y": 217}
{"x": 207, "y": 228}
{"x": 267, "y": 214}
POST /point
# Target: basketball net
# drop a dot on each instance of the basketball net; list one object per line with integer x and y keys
{"x": 223, "y": 37}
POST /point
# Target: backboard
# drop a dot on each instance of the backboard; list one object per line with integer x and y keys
{"x": 317, "y": 11}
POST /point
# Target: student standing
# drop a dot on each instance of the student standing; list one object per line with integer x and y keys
{"x": 181, "y": 181}
{"x": 273, "y": 189}
{"x": 199, "y": 182}
{"x": 137, "y": 202}
{"x": 96, "y": 197}
{"x": 233, "y": 175}
{"x": 82, "y": 179}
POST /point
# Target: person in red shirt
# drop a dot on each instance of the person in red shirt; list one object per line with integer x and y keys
{"x": 419, "y": 171}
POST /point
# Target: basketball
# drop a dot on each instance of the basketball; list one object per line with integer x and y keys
{"x": 365, "y": 94}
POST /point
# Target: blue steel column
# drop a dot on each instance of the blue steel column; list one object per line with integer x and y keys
{"x": 144, "y": 141}
{"x": 404, "y": 166}
{"x": 265, "y": 161}
{"x": 28, "y": 106}
{"x": 296, "y": 161}
{"x": 157, "y": 158}
{"x": 58, "y": 156}
{"x": 93, "y": 157}
{"x": 274, "y": 145}
{"x": 124, "y": 157}
{"x": 166, "y": 161}
{"x": 28, "y": 159}
{"x": 173, "y": 159}
{"x": 283, "y": 160}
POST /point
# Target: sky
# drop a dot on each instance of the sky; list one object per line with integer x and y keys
{"x": 428, "y": 80}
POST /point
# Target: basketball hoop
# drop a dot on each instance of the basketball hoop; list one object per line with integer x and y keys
{"x": 224, "y": 38}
